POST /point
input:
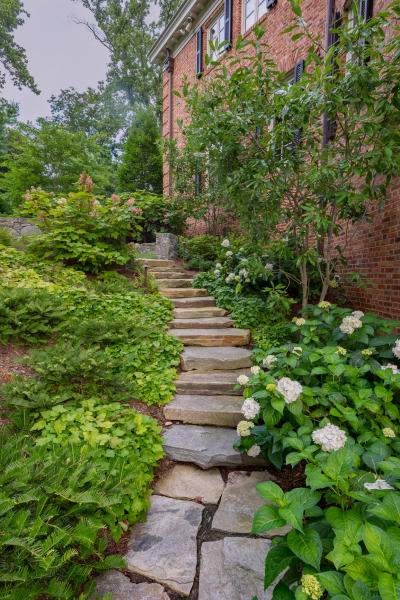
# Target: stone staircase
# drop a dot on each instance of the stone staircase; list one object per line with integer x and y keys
{"x": 195, "y": 543}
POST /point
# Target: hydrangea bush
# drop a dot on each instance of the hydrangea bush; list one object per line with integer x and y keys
{"x": 330, "y": 401}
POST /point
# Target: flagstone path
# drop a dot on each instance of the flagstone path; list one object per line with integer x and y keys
{"x": 195, "y": 542}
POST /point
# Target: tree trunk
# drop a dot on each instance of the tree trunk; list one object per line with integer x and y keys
{"x": 304, "y": 285}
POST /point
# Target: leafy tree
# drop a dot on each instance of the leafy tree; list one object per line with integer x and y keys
{"x": 12, "y": 56}
{"x": 48, "y": 156}
{"x": 95, "y": 112}
{"x": 8, "y": 116}
{"x": 264, "y": 151}
{"x": 141, "y": 164}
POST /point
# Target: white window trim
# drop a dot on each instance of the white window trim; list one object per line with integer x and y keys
{"x": 256, "y": 18}
{"x": 213, "y": 54}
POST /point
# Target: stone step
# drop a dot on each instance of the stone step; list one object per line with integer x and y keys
{"x": 192, "y": 302}
{"x": 212, "y": 337}
{"x": 174, "y": 283}
{"x": 214, "y": 358}
{"x": 199, "y": 313}
{"x": 183, "y": 292}
{"x": 205, "y": 446}
{"x": 174, "y": 269}
{"x": 187, "y": 482}
{"x": 210, "y": 383}
{"x": 164, "y": 548}
{"x": 171, "y": 275}
{"x": 212, "y": 323}
{"x": 155, "y": 262}
{"x": 223, "y": 411}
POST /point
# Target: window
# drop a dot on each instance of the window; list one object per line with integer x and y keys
{"x": 216, "y": 32}
{"x": 254, "y": 10}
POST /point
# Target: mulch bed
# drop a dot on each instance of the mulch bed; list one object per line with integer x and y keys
{"x": 8, "y": 355}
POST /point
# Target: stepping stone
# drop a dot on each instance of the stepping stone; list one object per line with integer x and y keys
{"x": 210, "y": 383}
{"x": 192, "y": 302}
{"x": 239, "y": 503}
{"x": 173, "y": 269}
{"x": 223, "y": 411}
{"x": 187, "y": 482}
{"x": 175, "y": 283}
{"x": 212, "y": 337}
{"x": 233, "y": 569}
{"x": 182, "y": 292}
{"x": 199, "y": 313}
{"x": 122, "y": 588}
{"x": 205, "y": 446}
{"x": 171, "y": 275}
{"x": 155, "y": 262}
{"x": 212, "y": 323}
{"x": 209, "y": 359}
{"x": 165, "y": 547}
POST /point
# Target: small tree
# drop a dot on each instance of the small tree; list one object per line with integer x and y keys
{"x": 265, "y": 150}
{"x": 141, "y": 165}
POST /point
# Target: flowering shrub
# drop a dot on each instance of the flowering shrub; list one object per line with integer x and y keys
{"x": 80, "y": 230}
{"x": 331, "y": 401}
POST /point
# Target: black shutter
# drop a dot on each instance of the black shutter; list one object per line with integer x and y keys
{"x": 271, "y": 3}
{"x": 365, "y": 10}
{"x": 228, "y": 23}
{"x": 330, "y": 124}
{"x": 298, "y": 74}
{"x": 199, "y": 52}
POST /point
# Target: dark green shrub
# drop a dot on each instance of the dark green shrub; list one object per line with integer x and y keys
{"x": 28, "y": 316}
{"x": 6, "y": 238}
{"x": 206, "y": 247}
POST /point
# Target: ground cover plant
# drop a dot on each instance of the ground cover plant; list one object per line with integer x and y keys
{"x": 331, "y": 401}
{"x": 76, "y": 459}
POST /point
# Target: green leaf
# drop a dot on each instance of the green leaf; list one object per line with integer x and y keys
{"x": 389, "y": 588}
{"x": 389, "y": 509}
{"x": 307, "y": 546}
{"x": 271, "y": 491}
{"x": 278, "y": 558}
{"x": 332, "y": 581}
{"x": 267, "y": 518}
{"x": 339, "y": 463}
{"x": 282, "y": 592}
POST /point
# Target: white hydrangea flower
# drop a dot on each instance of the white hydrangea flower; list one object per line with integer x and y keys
{"x": 396, "y": 348}
{"x": 330, "y": 438}
{"x": 225, "y": 243}
{"x": 269, "y": 360}
{"x": 358, "y": 314}
{"x": 300, "y": 322}
{"x": 379, "y": 484}
{"x": 350, "y": 324}
{"x": 342, "y": 351}
{"x": 269, "y": 267}
{"x": 217, "y": 272}
{"x": 229, "y": 253}
{"x": 218, "y": 266}
{"x": 244, "y": 260}
{"x": 254, "y": 451}
{"x": 244, "y": 428}
{"x": 61, "y": 201}
{"x": 229, "y": 277}
{"x": 250, "y": 408}
{"x": 289, "y": 389}
{"x": 243, "y": 273}
{"x": 255, "y": 370}
{"x": 297, "y": 350}
{"x": 242, "y": 380}
{"x": 394, "y": 368}
{"x": 324, "y": 304}
{"x": 388, "y": 432}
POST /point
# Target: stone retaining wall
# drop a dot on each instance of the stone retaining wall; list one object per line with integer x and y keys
{"x": 18, "y": 227}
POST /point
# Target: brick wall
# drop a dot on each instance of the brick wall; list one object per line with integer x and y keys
{"x": 371, "y": 247}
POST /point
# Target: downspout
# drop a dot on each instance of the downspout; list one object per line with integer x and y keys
{"x": 169, "y": 68}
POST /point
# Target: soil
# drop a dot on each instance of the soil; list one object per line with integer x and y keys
{"x": 8, "y": 367}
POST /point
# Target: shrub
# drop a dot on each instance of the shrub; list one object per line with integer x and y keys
{"x": 81, "y": 231}
{"x": 6, "y": 238}
{"x": 330, "y": 400}
{"x": 201, "y": 252}
{"x": 28, "y": 316}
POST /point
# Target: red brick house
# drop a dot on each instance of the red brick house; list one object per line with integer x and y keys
{"x": 181, "y": 48}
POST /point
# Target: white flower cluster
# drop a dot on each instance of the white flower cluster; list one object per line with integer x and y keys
{"x": 242, "y": 380}
{"x": 217, "y": 272}
{"x": 324, "y": 304}
{"x": 289, "y": 389}
{"x": 330, "y": 438}
{"x": 388, "y": 432}
{"x": 269, "y": 267}
{"x": 299, "y": 322}
{"x": 358, "y": 314}
{"x": 350, "y": 324}
{"x": 229, "y": 253}
{"x": 379, "y": 484}
{"x": 255, "y": 370}
{"x": 297, "y": 350}
{"x": 244, "y": 428}
{"x": 395, "y": 369}
{"x": 269, "y": 361}
{"x": 230, "y": 277}
{"x": 243, "y": 273}
{"x": 396, "y": 348}
{"x": 225, "y": 243}
{"x": 254, "y": 451}
{"x": 250, "y": 408}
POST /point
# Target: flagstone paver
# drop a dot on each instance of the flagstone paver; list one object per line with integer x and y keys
{"x": 164, "y": 548}
{"x": 239, "y": 503}
{"x": 186, "y": 482}
{"x": 210, "y": 383}
{"x": 211, "y": 323}
{"x": 122, "y": 588}
{"x": 223, "y": 411}
{"x": 212, "y": 337}
{"x": 214, "y": 358}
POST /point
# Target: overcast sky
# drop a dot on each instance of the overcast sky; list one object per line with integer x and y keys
{"x": 60, "y": 53}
